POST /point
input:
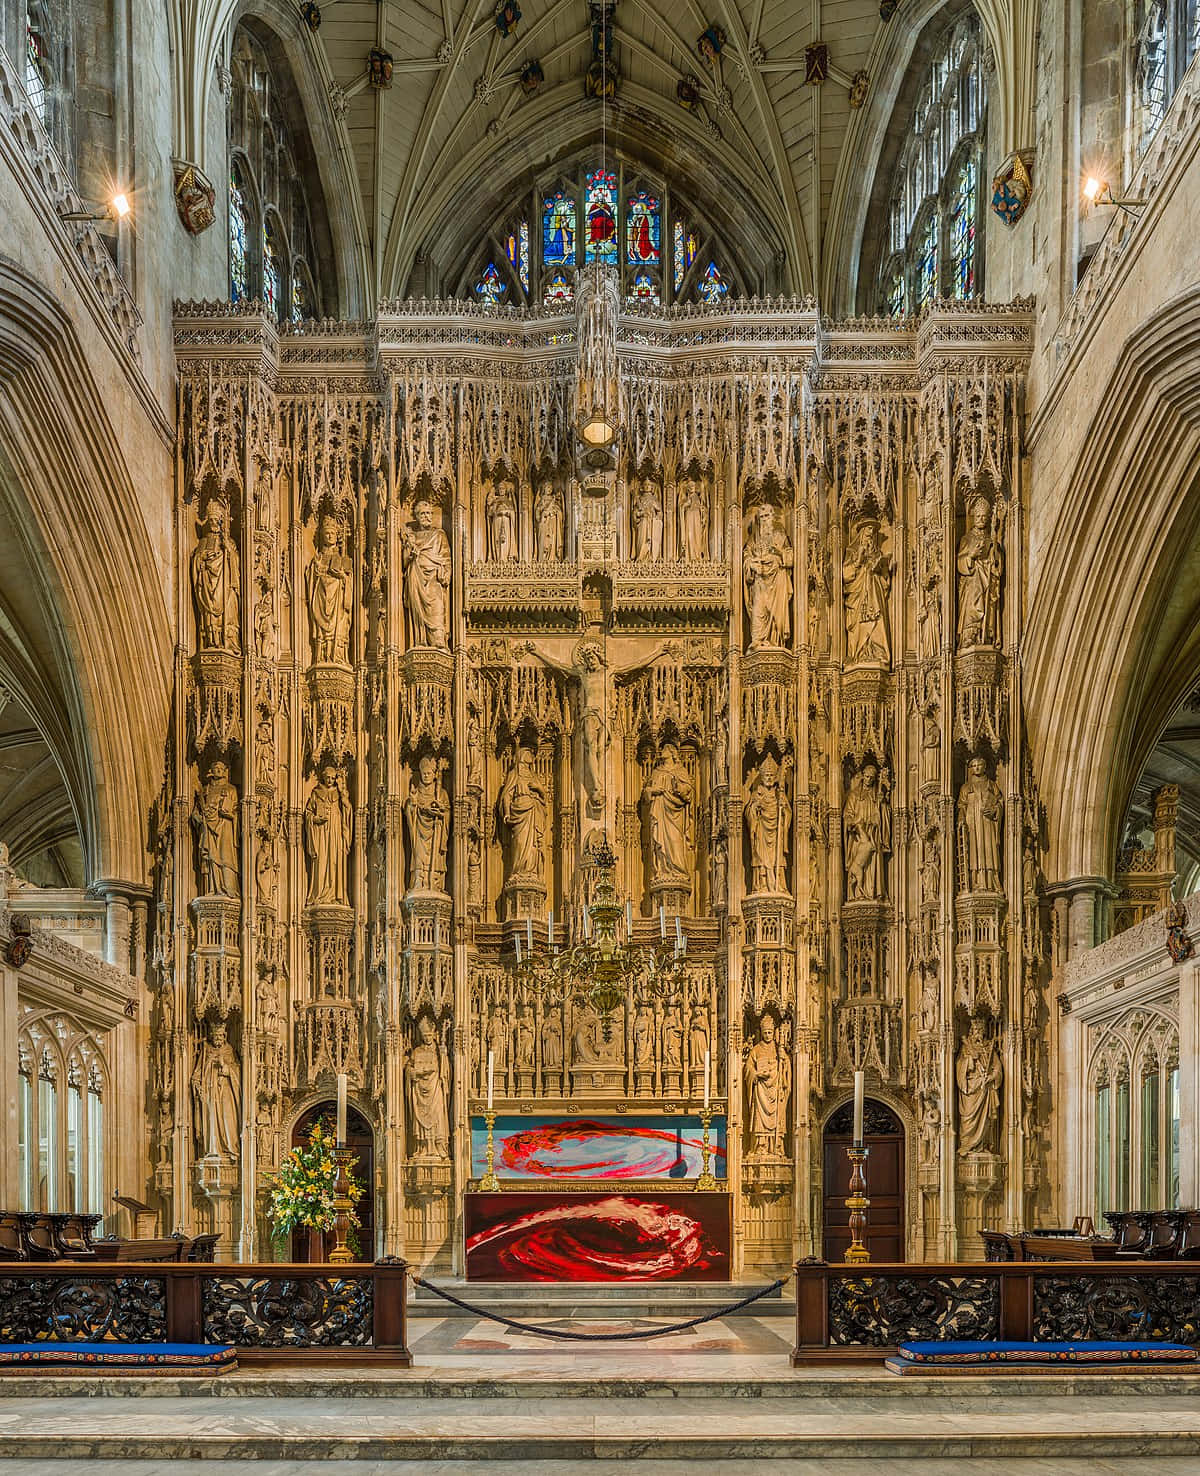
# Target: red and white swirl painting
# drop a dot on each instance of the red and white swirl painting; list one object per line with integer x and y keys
{"x": 609, "y": 1236}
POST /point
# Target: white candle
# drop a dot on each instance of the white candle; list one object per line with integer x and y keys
{"x": 587, "y": 924}
{"x": 678, "y": 933}
{"x": 491, "y": 1078}
{"x": 628, "y": 918}
{"x": 684, "y": 948}
{"x": 550, "y": 929}
{"x": 529, "y": 932}
{"x": 341, "y": 1108}
{"x": 517, "y": 941}
{"x": 662, "y": 920}
{"x": 858, "y": 1107}
{"x": 437, "y": 933}
{"x": 707, "y": 1077}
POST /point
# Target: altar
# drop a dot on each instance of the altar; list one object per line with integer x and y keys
{"x": 600, "y": 1234}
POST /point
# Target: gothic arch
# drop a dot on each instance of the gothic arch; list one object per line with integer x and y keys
{"x": 1114, "y": 638}
{"x": 877, "y": 1092}
{"x": 709, "y": 174}
{"x": 85, "y": 638}
{"x": 320, "y": 146}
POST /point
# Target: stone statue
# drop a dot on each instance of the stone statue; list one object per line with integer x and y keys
{"x": 693, "y": 520}
{"x": 769, "y": 823}
{"x": 980, "y": 812}
{"x": 264, "y": 750}
{"x": 720, "y": 869}
{"x": 266, "y": 998}
{"x": 328, "y": 834}
{"x": 764, "y": 1083}
{"x": 552, "y": 1044}
{"x": 329, "y": 594}
{"x": 524, "y": 813}
{"x": 523, "y": 1044}
{"x": 548, "y": 522}
{"x": 474, "y": 867}
{"x": 647, "y": 517}
{"x": 426, "y": 552}
{"x": 643, "y": 1037}
{"x": 767, "y": 558}
{"x": 867, "y": 827}
{"x": 698, "y": 1038}
{"x": 667, "y": 796}
{"x": 215, "y": 821}
{"x": 588, "y": 668}
{"x": 672, "y": 1038}
{"x": 501, "y": 509}
{"x": 978, "y": 1073}
{"x": 497, "y": 1041}
{"x": 266, "y": 868}
{"x": 216, "y": 585}
{"x": 427, "y": 815}
{"x": 474, "y": 751}
{"x": 867, "y": 579}
{"x": 217, "y": 1095}
{"x": 426, "y": 1080}
{"x": 980, "y": 572}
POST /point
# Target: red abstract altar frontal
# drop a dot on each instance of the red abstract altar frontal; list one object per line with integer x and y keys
{"x": 598, "y": 1237}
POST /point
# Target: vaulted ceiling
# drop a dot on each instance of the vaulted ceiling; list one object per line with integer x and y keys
{"x": 456, "y": 137}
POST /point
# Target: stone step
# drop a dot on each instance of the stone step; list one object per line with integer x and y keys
{"x": 585, "y": 1430}
{"x": 598, "y": 1378}
{"x": 552, "y": 1300}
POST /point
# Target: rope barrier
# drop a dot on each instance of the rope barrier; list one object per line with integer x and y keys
{"x": 582, "y": 1337}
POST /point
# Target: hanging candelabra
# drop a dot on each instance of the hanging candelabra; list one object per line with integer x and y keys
{"x": 605, "y": 965}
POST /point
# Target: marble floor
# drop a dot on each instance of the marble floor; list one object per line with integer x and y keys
{"x": 483, "y": 1397}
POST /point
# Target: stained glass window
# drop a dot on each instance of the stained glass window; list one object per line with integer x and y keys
{"x": 932, "y": 238}
{"x": 35, "y": 62}
{"x": 601, "y": 214}
{"x": 1168, "y": 36}
{"x": 302, "y": 294}
{"x": 927, "y": 262}
{"x": 272, "y": 273}
{"x": 643, "y": 230}
{"x": 895, "y": 293}
{"x": 516, "y": 248}
{"x": 686, "y": 247}
{"x": 558, "y": 288}
{"x": 272, "y": 249}
{"x": 239, "y": 239}
{"x": 490, "y": 288}
{"x": 558, "y": 230}
{"x": 712, "y": 287}
{"x": 644, "y": 289}
{"x": 962, "y": 229}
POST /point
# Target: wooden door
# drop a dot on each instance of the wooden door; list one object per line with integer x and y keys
{"x": 883, "y": 1134}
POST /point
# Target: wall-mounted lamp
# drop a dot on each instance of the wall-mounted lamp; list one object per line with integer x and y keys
{"x": 1099, "y": 192}
{"x": 116, "y": 209}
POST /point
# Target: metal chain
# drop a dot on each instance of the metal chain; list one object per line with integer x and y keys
{"x": 581, "y": 1337}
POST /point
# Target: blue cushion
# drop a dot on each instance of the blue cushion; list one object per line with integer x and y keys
{"x": 119, "y": 1355}
{"x": 1081, "y": 1351}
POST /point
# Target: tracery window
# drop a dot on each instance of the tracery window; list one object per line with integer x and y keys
{"x": 35, "y": 64}
{"x": 607, "y": 214}
{"x": 1166, "y": 38}
{"x": 271, "y": 251}
{"x": 933, "y": 238}
{"x": 1134, "y": 1127}
{"x": 60, "y": 1117}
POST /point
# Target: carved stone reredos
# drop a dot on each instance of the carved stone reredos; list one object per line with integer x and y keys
{"x": 754, "y": 647}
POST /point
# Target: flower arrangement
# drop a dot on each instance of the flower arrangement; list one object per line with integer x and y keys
{"x": 301, "y": 1195}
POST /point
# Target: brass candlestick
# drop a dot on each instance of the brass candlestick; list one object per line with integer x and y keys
{"x": 490, "y": 1182}
{"x": 706, "y": 1180}
{"x": 857, "y": 1203}
{"x": 342, "y": 1205}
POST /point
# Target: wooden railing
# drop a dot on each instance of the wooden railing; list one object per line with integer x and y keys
{"x": 860, "y": 1313}
{"x": 271, "y": 1313}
